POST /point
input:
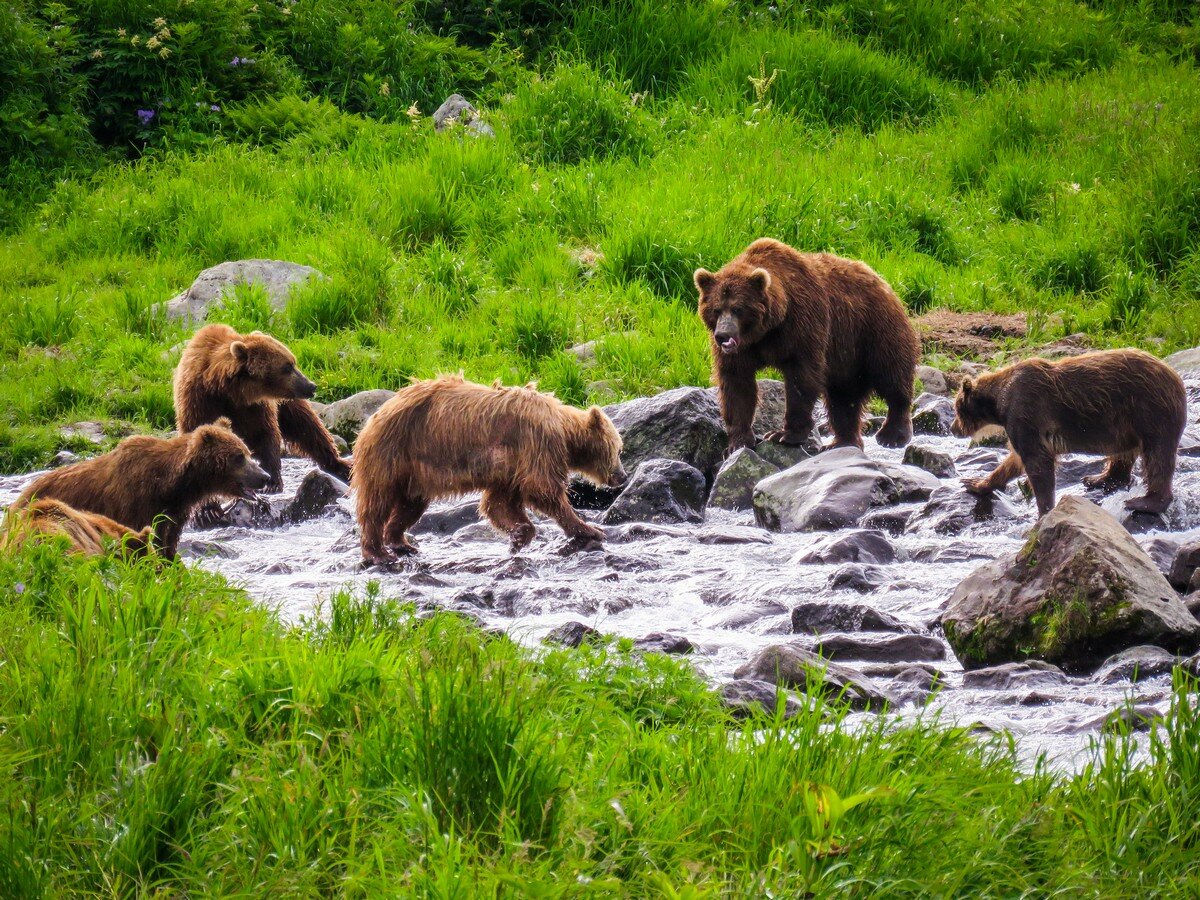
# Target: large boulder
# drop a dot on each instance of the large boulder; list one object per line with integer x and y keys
{"x": 664, "y": 491}
{"x": 347, "y": 417}
{"x": 799, "y": 668}
{"x": 683, "y": 424}
{"x": 457, "y": 110}
{"x": 317, "y": 492}
{"x": 817, "y": 616}
{"x": 1185, "y": 362}
{"x": 1183, "y": 570}
{"x": 935, "y": 462}
{"x": 1080, "y": 589}
{"x": 862, "y": 545}
{"x": 932, "y": 414}
{"x": 881, "y": 648}
{"x": 213, "y": 285}
{"x": 768, "y": 415}
{"x": 835, "y": 489}
{"x": 733, "y": 488}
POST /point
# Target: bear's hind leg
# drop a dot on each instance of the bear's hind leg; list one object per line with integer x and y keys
{"x": 845, "y": 418}
{"x": 1159, "y": 462}
{"x": 897, "y": 428}
{"x": 506, "y": 512}
{"x": 405, "y": 513}
{"x": 1116, "y": 475}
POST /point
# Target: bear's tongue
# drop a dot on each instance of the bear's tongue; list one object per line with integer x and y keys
{"x": 729, "y": 345}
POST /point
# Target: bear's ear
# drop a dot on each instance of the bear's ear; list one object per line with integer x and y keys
{"x": 596, "y": 418}
{"x": 704, "y": 280}
{"x": 761, "y": 279}
{"x": 223, "y": 422}
{"x": 968, "y": 385}
{"x": 239, "y": 351}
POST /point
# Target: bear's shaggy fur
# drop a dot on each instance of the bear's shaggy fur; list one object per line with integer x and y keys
{"x": 831, "y": 326}
{"x": 1119, "y": 403}
{"x": 447, "y": 436}
{"x": 151, "y": 481}
{"x": 253, "y": 381}
{"x": 88, "y": 533}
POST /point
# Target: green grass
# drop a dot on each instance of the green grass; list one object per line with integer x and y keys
{"x": 164, "y": 734}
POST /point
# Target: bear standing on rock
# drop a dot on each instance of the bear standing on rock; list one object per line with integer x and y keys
{"x": 448, "y": 436}
{"x": 831, "y": 326}
{"x": 1119, "y": 403}
{"x": 253, "y": 381}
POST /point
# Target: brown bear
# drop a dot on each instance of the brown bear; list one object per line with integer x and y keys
{"x": 1119, "y": 403}
{"x": 88, "y": 533}
{"x": 831, "y": 326}
{"x": 253, "y": 381}
{"x": 447, "y": 436}
{"x": 151, "y": 481}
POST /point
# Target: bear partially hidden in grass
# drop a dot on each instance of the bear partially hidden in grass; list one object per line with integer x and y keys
{"x": 831, "y": 326}
{"x": 253, "y": 381}
{"x": 447, "y": 436}
{"x": 151, "y": 481}
{"x": 88, "y": 533}
{"x": 1119, "y": 403}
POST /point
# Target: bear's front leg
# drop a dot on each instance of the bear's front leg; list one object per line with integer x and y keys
{"x": 800, "y": 394}
{"x": 738, "y": 392}
{"x": 1010, "y": 467}
{"x": 558, "y": 507}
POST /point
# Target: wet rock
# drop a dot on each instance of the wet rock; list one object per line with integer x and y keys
{"x": 347, "y": 417}
{"x": 950, "y": 510}
{"x": 978, "y": 459}
{"x": 860, "y": 578}
{"x": 316, "y": 492}
{"x": 196, "y": 548}
{"x": 457, "y": 110}
{"x": 662, "y": 642}
{"x": 683, "y": 424}
{"x": 213, "y": 285}
{"x": 860, "y": 545}
{"x": 348, "y": 541}
{"x": 911, "y": 682}
{"x": 748, "y": 697}
{"x": 1071, "y": 470}
{"x": 1133, "y": 521}
{"x": 1186, "y": 561}
{"x": 784, "y": 456}
{"x": 932, "y": 461}
{"x": 92, "y": 432}
{"x": 891, "y": 519}
{"x": 890, "y": 648}
{"x": 1136, "y": 664}
{"x": 768, "y": 414}
{"x": 815, "y": 616}
{"x": 1192, "y": 602}
{"x": 834, "y": 490}
{"x": 585, "y": 494}
{"x": 1185, "y": 362}
{"x": 660, "y": 491}
{"x": 1080, "y": 589}
{"x": 63, "y": 458}
{"x": 1162, "y": 549}
{"x": 947, "y": 552}
{"x": 1189, "y": 444}
{"x": 932, "y": 414}
{"x": 1015, "y": 676}
{"x": 572, "y": 634}
{"x": 1127, "y": 718}
{"x": 933, "y": 380}
{"x": 445, "y": 520}
{"x": 793, "y": 666}
{"x": 731, "y": 534}
{"x": 733, "y": 487}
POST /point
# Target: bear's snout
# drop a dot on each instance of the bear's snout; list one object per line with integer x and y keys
{"x": 958, "y": 429}
{"x": 617, "y": 477}
{"x": 251, "y": 479}
{"x": 727, "y": 334}
{"x": 303, "y": 388}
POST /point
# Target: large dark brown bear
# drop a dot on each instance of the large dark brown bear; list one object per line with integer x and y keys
{"x": 88, "y": 533}
{"x": 448, "y": 436}
{"x": 150, "y": 481}
{"x": 831, "y": 326}
{"x": 1119, "y": 403}
{"x": 252, "y": 380}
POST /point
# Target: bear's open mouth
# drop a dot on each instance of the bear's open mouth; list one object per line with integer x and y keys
{"x": 728, "y": 345}
{"x": 247, "y": 493}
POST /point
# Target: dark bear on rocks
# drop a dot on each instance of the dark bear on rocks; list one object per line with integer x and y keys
{"x": 447, "y": 436}
{"x": 150, "y": 481}
{"x": 1119, "y": 403}
{"x": 832, "y": 326}
{"x": 253, "y": 381}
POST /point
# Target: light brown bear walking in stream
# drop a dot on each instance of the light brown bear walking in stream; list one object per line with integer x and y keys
{"x": 448, "y": 436}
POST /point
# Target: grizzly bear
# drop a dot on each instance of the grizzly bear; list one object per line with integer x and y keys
{"x": 1119, "y": 403}
{"x": 151, "y": 481}
{"x": 88, "y": 533}
{"x": 831, "y": 326}
{"x": 253, "y": 381}
{"x": 447, "y": 436}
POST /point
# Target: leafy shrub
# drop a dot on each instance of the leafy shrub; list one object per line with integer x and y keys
{"x": 575, "y": 115}
{"x": 660, "y": 261}
{"x": 527, "y": 23}
{"x": 536, "y": 327}
{"x": 1165, "y": 224}
{"x": 1071, "y": 266}
{"x": 279, "y": 119}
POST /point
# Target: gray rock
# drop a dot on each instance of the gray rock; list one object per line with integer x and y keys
{"x": 859, "y": 545}
{"x": 933, "y": 380}
{"x": 863, "y": 579}
{"x": 952, "y": 509}
{"x": 1079, "y": 590}
{"x": 316, "y": 492}
{"x": 834, "y": 490}
{"x": 573, "y": 634}
{"x": 1015, "y": 675}
{"x": 1185, "y": 362}
{"x": 1183, "y": 567}
{"x": 1136, "y": 664}
{"x": 731, "y": 534}
{"x": 793, "y": 666}
{"x": 1162, "y": 549}
{"x": 912, "y": 682}
{"x": 585, "y": 352}
{"x": 63, "y": 458}
{"x": 747, "y": 697}
{"x": 663, "y": 491}
{"x": 768, "y": 414}
{"x": 972, "y": 369}
{"x": 1192, "y": 602}
{"x": 662, "y": 642}
{"x": 456, "y": 110}
{"x": 816, "y": 616}
{"x": 211, "y": 286}
{"x": 733, "y": 487}
{"x": 683, "y": 424}
{"x": 446, "y": 520}
{"x": 347, "y": 417}
{"x": 886, "y": 648}
{"x": 891, "y": 519}
{"x": 932, "y": 461}
{"x": 92, "y": 432}
{"x": 784, "y": 456}
{"x": 932, "y": 414}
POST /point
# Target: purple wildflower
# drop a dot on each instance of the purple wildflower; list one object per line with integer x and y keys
{"x": 241, "y": 61}
{"x": 215, "y": 108}
{"x": 19, "y": 587}
{"x": 145, "y": 115}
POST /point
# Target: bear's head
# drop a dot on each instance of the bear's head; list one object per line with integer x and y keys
{"x": 737, "y": 305}
{"x": 595, "y": 448}
{"x": 218, "y": 463}
{"x": 267, "y": 369}
{"x": 974, "y": 407}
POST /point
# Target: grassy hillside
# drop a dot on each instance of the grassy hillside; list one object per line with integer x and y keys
{"x": 1042, "y": 160}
